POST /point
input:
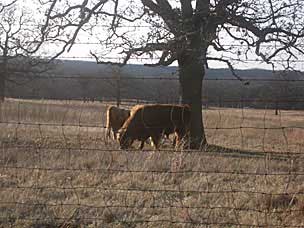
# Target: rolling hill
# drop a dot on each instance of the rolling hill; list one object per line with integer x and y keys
{"x": 81, "y": 79}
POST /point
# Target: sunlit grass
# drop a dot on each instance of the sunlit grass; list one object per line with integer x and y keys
{"x": 70, "y": 171}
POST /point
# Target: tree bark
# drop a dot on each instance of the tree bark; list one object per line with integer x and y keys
{"x": 2, "y": 83}
{"x": 191, "y": 74}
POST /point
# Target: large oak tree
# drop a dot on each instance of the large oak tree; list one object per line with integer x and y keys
{"x": 189, "y": 32}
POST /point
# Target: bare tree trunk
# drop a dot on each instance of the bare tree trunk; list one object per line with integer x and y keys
{"x": 2, "y": 83}
{"x": 191, "y": 74}
{"x": 118, "y": 90}
{"x": 4, "y": 69}
{"x": 2, "y": 88}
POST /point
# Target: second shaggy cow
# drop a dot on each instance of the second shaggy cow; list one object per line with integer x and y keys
{"x": 115, "y": 119}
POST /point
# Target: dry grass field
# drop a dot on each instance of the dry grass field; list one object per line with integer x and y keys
{"x": 57, "y": 169}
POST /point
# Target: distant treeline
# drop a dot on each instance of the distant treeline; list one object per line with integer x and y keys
{"x": 161, "y": 85}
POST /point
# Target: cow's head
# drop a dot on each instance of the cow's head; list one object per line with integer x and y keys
{"x": 124, "y": 140}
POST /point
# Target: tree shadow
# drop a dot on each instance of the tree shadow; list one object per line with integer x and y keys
{"x": 241, "y": 153}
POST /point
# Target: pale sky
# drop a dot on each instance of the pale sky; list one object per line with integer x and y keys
{"x": 86, "y": 43}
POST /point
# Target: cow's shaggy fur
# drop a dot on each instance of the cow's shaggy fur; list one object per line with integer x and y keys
{"x": 115, "y": 119}
{"x": 154, "y": 121}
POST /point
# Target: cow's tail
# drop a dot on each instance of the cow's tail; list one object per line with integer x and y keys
{"x": 108, "y": 124}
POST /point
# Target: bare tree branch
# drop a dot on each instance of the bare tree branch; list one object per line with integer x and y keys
{"x": 230, "y": 66}
{"x": 2, "y": 7}
{"x": 165, "y": 11}
{"x": 18, "y": 43}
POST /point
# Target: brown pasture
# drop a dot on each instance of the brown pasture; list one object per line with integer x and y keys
{"x": 58, "y": 170}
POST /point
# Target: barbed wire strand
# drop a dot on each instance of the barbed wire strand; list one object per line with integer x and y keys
{"x": 121, "y": 163}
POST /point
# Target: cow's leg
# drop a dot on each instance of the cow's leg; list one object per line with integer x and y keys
{"x": 115, "y": 135}
{"x": 166, "y": 134}
{"x": 156, "y": 139}
{"x": 174, "y": 141}
{"x": 142, "y": 143}
{"x": 177, "y": 141}
{"x": 179, "y": 136}
{"x": 126, "y": 143}
{"x": 108, "y": 132}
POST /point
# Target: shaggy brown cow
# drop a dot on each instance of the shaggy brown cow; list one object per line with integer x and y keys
{"x": 115, "y": 119}
{"x": 154, "y": 121}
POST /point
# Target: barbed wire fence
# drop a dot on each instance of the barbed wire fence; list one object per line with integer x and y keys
{"x": 58, "y": 169}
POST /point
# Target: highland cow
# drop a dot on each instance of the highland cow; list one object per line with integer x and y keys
{"x": 115, "y": 119}
{"x": 154, "y": 121}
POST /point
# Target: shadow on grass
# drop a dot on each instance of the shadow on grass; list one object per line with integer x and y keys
{"x": 239, "y": 153}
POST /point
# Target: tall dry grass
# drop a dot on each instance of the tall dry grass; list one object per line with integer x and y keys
{"x": 62, "y": 172}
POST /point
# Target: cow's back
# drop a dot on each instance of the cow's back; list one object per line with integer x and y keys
{"x": 161, "y": 116}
